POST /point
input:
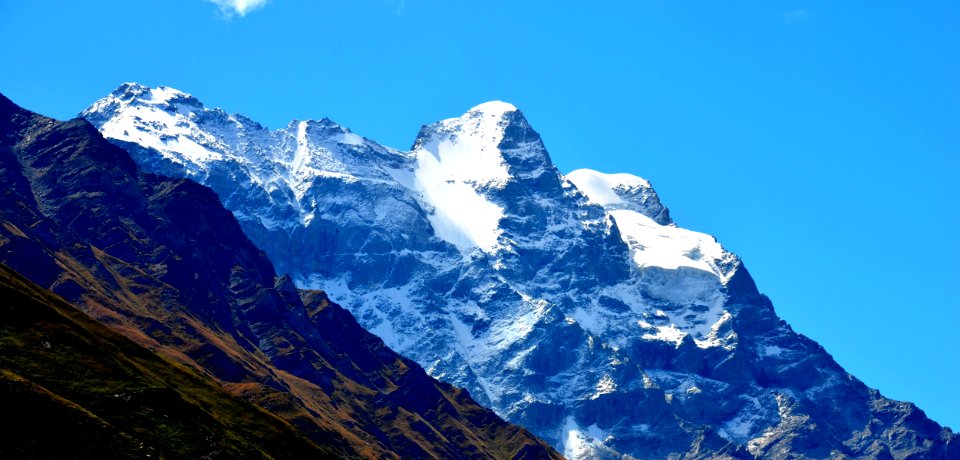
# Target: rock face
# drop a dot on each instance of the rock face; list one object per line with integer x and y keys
{"x": 161, "y": 261}
{"x": 571, "y": 304}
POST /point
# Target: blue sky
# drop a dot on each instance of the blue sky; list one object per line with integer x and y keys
{"x": 820, "y": 141}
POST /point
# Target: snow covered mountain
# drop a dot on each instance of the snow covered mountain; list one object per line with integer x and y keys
{"x": 571, "y": 304}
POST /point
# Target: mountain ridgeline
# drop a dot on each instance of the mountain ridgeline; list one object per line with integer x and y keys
{"x": 571, "y": 304}
{"x": 217, "y": 332}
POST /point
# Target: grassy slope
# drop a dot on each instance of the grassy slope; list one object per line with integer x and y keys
{"x": 70, "y": 387}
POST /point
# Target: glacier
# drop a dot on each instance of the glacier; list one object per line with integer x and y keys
{"x": 571, "y": 303}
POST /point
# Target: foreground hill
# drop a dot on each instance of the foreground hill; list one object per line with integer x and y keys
{"x": 74, "y": 388}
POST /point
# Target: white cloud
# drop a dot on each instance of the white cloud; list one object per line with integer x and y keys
{"x": 238, "y": 7}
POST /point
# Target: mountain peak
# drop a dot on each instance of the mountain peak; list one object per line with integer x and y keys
{"x": 486, "y": 127}
{"x": 494, "y": 108}
{"x": 137, "y": 100}
{"x": 487, "y": 119}
{"x": 130, "y": 87}
{"x": 161, "y": 95}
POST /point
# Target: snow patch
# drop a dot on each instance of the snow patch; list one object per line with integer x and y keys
{"x": 772, "y": 350}
{"x": 349, "y": 139}
{"x": 606, "y": 385}
{"x": 666, "y": 246}
{"x": 600, "y": 188}
{"x": 494, "y": 108}
{"x": 458, "y": 160}
{"x": 577, "y": 442}
{"x": 668, "y": 334}
{"x": 740, "y": 427}
{"x": 461, "y": 216}
{"x": 176, "y": 144}
{"x": 300, "y": 155}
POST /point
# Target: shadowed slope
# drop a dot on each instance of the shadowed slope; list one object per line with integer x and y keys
{"x": 77, "y": 389}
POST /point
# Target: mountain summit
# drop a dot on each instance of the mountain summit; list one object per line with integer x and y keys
{"x": 571, "y": 304}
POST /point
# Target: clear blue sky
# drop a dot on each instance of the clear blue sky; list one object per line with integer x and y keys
{"x": 819, "y": 140}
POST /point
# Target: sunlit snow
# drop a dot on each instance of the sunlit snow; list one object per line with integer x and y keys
{"x": 599, "y": 187}
{"x": 454, "y": 165}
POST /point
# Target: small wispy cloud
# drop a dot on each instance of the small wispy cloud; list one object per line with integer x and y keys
{"x": 229, "y": 8}
{"x": 795, "y": 15}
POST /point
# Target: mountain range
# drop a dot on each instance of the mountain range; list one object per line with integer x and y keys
{"x": 210, "y": 330}
{"x": 571, "y": 304}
